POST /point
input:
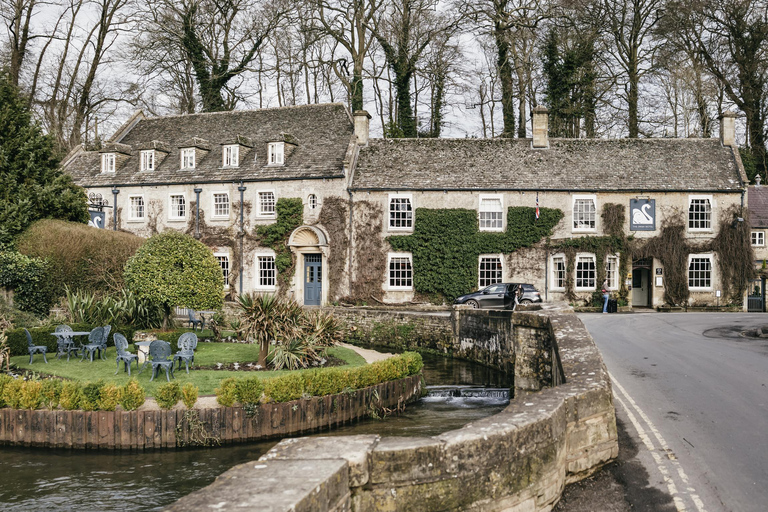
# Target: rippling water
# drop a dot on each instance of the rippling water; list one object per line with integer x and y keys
{"x": 61, "y": 480}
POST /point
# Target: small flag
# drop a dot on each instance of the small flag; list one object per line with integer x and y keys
{"x": 537, "y": 206}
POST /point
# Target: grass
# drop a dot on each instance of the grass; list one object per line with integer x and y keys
{"x": 207, "y": 354}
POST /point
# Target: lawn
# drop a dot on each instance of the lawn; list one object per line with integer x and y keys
{"x": 207, "y": 354}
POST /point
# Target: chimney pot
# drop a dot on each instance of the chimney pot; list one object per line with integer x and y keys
{"x": 362, "y": 126}
{"x": 540, "y": 127}
{"x": 728, "y": 128}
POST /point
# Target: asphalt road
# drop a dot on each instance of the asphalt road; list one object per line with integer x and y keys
{"x": 691, "y": 395}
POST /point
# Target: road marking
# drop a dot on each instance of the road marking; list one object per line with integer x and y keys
{"x": 646, "y": 436}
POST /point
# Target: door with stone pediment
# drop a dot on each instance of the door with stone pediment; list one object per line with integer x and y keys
{"x": 313, "y": 279}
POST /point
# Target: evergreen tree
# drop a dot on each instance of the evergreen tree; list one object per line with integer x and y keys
{"x": 32, "y": 186}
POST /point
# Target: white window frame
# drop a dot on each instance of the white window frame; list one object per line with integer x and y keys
{"x": 576, "y": 229}
{"x": 704, "y": 256}
{"x": 312, "y": 201}
{"x": 759, "y": 240}
{"x": 389, "y": 211}
{"x": 108, "y": 162}
{"x": 399, "y": 255}
{"x": 259, "y": 286}
{"x": 230, "y": 155}
{"x": 260, "y": 204}
{"x": 576, "y": 262}
{"x": 276, "y": 153}
{"x": 147, "y": 158}
{"x": 218, "y": 255}
{"x": 711, "y": 213}
{"x": 553, "y": 260}
{"x": 187, "y": 156}
{"x": 480, "y": 259}
{"x": 131, "y": 215}
{"x": 481, "y": 211}
{"x": 215, "y": 215}
{"x": 172, "y": 212}
{"x": 613, "y": 283}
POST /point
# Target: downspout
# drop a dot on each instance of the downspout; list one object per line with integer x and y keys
{"x": 115, "y": 191}
{"x": 241, "y": 189}
{"x": 197, "y": 212}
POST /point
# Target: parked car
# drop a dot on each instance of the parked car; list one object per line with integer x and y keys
{"x": 493, "y": 296}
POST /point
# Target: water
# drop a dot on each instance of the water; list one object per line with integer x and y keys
{"x": 61, "y": 480}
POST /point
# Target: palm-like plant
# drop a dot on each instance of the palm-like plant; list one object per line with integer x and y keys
{"x": 268, "y": 318}
{"x": 326, "y": 328}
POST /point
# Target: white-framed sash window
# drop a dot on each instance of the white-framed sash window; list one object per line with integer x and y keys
{"x": 230, "y": 155}
{"x": 147, "y": 160}
{"x": 700, "y": 272}
{"x": 267, "y": 203}
{"x": 266, "y": 272}
{"x": 178, "y": 209}
{"x": 586, "y": 272}
{"x": 584, "y": 213}
{"x": 187, "y": 157}
{"x": 137, "y": 210}
{"x": 490, "y": 270}
{"x": 107, "y": 162}
{"x": 491, "y": 213}
{"x": 400, "y": 212}
{"x": 276, "y": 152}
{"x": 221, "y": 204}
{"x": 400, "y": 271}
{"x": 700, "y": 213}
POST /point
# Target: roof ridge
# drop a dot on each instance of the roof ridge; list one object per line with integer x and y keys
{"x": 286, "y": 107}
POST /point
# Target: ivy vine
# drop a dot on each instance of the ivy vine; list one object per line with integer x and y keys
{"x": 447, "y": 243}
{"x": 275, "y": 236}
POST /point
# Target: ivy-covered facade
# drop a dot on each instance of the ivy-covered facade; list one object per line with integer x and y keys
{"x": 299, "y": 201}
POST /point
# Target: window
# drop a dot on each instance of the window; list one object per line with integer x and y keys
{"x": 267, "y": 204}
{"x": 266, "y": 272}
{"x": 188, "y": 158}
{"x": 400, "y": 212}
{"x": 584, "y": 213}
{"x": 400, "y": 271}
{"x": 107, "y": 162}
{"x": 585, "y": 273}
{"x": 147, "y": 160}
{"x": 558, "y": 272}
{"x": 178, "y": 207}
{"x": 700, "y": 271}
{"x": 231, "y": 156}
{"x": 700, "y": 213}
{"x": 490, "y": 215}
{"x": 220, "y": 204}
{"x": 758, "y": 238}
{"x": 223, "y": 260}
{"x": 276, "y": 153}
{"x": 490, "y": 270}
{"x": 612, "y": 272}
{"x": 312, "y": 201}
{"x": 137, "y": 207}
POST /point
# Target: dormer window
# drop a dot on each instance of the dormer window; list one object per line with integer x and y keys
{"x": 188, "y": 158}
{"x": 107, "y": 162}
{"x": 148, "y": 160}
{"x": 276, "y": 153}
{"x": 231, "y": 156}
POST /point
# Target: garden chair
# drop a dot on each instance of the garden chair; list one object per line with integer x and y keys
{"x": 95, "y": 339}
{"x": 65, "y": 344}
{"x": 159, "y": 352}
{"x": 194, "y": 321}
{"x": 33, "y": 349}
{"x": 187, "y": 345}
{"x": 103, "y": 348}
{"x": 121, "y": 345}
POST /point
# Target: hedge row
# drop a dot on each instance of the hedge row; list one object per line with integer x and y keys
{"x": 17, "y": 339}
{"x": 324, "y": 382}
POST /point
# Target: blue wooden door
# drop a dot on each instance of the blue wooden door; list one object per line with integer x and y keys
{"x": 313, "y": 279}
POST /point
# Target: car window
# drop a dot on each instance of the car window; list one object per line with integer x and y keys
{"x": 495, "y": 288}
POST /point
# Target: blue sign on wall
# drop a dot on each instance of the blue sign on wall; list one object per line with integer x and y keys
{"x": 97, "y": 220}
{"x": 642, "y": 215}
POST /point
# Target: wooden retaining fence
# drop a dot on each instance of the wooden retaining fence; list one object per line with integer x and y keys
{"x": 158, "y": 429}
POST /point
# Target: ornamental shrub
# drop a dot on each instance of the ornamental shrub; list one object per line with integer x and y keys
{"x": 132, "y": 395}
{"x": 189, "y": 394}
{"x": 414, "y": 361}
{"x": 109, "y": 397}
{"x": 12, "y": 393}
{"x": 173, "y": 269}
{"x": 31, "y": 395}
{"x": 168, "y": 395}
{"x": 91, "y": 395}
{"x": 226, "y": 393}
{"x": 29, "y": 278}
{"x": 285, "y": 388}
{"x": 71, "y": 395}
{"x": 5, "y": 379}
{"x": 52, "y": 393}
{"x": 249, "y": 390}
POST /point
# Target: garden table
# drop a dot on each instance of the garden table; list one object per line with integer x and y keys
{"x": 69, "y": 334}
{"x": 142, "y": 349}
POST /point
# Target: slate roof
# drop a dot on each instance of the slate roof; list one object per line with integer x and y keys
{"x": 757, "y": 200}
{"x": 568, "y": 164}
{"x": 322, "y": 134}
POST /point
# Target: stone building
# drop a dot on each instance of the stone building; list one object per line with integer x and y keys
{"x": 219, "y": 177}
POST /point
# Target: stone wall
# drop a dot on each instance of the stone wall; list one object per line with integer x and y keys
{"x": 518, "y": 460}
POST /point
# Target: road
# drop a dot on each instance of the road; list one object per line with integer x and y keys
{"x": 692, "y": 395}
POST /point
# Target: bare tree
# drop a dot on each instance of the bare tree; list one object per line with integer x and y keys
{"x": 17, "y": 17}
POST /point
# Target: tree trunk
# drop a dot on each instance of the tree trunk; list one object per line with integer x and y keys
{"x": 405, "y": 118}
{"x": 632, "y": 100}
{"x": 507, "y": 84}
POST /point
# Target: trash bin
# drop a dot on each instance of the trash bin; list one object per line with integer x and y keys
{"x": 612, "y": 305}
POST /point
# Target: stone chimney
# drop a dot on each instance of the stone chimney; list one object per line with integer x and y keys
{"x": 728, "y": 128}
{"x": 540, "y": 127}
{"x": 362, "y": 123}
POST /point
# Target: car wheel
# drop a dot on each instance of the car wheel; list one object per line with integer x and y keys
{"x": 473, "y": 304}
{"x": 525, "y": 301}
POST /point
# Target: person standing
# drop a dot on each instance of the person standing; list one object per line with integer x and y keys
{"x": 606, "y": 296}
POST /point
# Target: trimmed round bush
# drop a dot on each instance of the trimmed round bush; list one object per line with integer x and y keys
{"x": 168, "y": 395}
{"x": 189, "y": 393}
{"x": 31, "y": 395}
{"x": 109, "y": 397}
{"x": 249, "y": 390}
{"x": 71, "y": 396}
{"x": 226, "y": 393}
{"x": 132, "y": 395}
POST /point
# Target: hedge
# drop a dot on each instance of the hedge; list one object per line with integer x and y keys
{"x": 70, "y": 395}
{"x": 30, "y": 280}
{"x": 17, "y": 340}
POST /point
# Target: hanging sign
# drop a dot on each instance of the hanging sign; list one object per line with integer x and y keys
{"x": 642, "y": 215}
{"x": 97, "y": 219}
